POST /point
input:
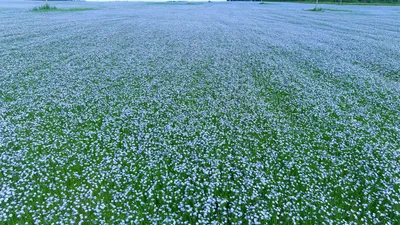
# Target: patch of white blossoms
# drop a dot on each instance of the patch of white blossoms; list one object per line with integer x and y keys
{"x": 200, "y": 114}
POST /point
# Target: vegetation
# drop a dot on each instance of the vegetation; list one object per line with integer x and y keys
{"x": 48, "y": 8}
{"x": 327, "y": 9}
{"x": 336, "y": 10}
{"x": 315, "y": 9}
{"x": 45, "y": 8}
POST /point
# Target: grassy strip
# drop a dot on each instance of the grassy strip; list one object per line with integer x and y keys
{"x": 326, "y": 9}
{"x": 45, "y": 7}
{"x": 315, "y": 9}
{"x": 49, "y": 8}
{"x": 336, "y": 10}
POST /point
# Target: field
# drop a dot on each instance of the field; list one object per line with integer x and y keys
{"x": 206, "y": 113}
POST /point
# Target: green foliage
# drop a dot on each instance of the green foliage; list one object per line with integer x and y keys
{"x": 315, "y": 9}
{"x": 45, "y": 7}
{"x": 49, "y": 8}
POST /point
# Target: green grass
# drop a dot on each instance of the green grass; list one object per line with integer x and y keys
{"x": 326, "y": 9}
{"x": 49, "y": 8}
{"x": 336, "y": 10}
{"x": 315, "y": 9}
{"x": 45, "y": 7}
